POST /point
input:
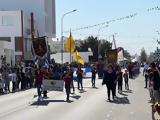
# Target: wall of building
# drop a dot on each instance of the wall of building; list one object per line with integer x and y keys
{"x": 42, "y": 9}
{"x": 10, "y": 23}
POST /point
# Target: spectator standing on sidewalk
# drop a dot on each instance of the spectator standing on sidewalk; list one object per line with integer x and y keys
{"x": 5, "y": 77}
{"x": 14, "y": 80}
{"x": 93, "y": 77}
{"x": 156, "y": 82}
{"x": 145, "y": 73}
{"x": 1, "y": 83}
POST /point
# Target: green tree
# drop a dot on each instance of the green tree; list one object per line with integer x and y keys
{"x": 92, "y": 42}
{"x": 143, "y": 56}
{"x": 104, "y": 47}
{"x": 127, "y": 55}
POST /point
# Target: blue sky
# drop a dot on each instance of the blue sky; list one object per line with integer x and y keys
{"x": 132, "y": 34}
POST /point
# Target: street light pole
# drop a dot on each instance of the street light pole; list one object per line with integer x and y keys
{"x": 99, "y": 40}
{"x": 62, "y": 32}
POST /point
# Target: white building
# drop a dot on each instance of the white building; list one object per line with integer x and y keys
{"x": 10, "y": 32}
{"x": 66, "y": 56}
{"x": 15, "y": 22}
{"x": 44, "y": 13}
{"x": 57, "y": 44}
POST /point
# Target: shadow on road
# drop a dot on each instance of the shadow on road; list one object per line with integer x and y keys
{"x": 45, "y": 102}
{"x": 123, "y": 94}
{"x": 76, "y": 97}
{"x": 82, "y": 91}
{"x": 121, "y": 100}
{"x": 91, "y": 87}
{"x": 128, "y": 91}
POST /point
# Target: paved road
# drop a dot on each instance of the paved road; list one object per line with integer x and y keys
{"x": 89, "y": 105}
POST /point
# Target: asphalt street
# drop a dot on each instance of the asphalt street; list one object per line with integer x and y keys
{"x": 90, "y": 104}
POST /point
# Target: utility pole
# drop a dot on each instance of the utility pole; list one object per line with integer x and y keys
{"x": 32, "y": 26}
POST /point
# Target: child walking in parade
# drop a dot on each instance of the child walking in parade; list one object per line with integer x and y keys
{"x": 67, "y": 80}
{"x": 38, "y": 82}
{"x": 126, "y": 79}
{"x": 80, "y": 78}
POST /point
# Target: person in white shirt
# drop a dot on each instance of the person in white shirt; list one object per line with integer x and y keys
{"x": 146, "y": 66}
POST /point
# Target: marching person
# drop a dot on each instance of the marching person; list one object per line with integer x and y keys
{"x": 67, "y": 80}
{"x": 38, "y": 82}
{"x": 109, "y": 79}
{"x": 126, "y": 79}
{"x": 72, "y": 83}
{"x": 93, "y": 77}
{"x": 46, "y": 75}
{"x": 119, "y": 79}
{"x": 80, "y": 78}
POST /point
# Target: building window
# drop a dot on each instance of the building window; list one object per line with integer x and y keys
{"x": 7, "y": 21}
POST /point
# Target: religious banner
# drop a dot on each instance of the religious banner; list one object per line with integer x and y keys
{"x": 112, "y": 56}
{"x": 53, "y": 85}
{"x": 39, "y": 46}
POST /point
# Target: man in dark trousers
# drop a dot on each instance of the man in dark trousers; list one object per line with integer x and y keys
{"x": 93, "y": 77}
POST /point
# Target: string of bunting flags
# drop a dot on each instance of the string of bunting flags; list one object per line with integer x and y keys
{"x": 154, "y": 8}
{"x": 113, "y": 20}
{"x": 103, "y": 23}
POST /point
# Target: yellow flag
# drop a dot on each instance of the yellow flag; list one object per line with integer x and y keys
{"x": 81, "y": 61}
{"x": 78, "y": 58}
{"x": 70, "y": 45}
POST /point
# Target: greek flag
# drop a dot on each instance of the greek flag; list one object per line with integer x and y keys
{"x": 36, "y": 60}
{"x": 46, "y": 64}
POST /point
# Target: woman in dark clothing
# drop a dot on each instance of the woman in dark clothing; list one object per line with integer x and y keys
{"x": 109, "y": 78}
